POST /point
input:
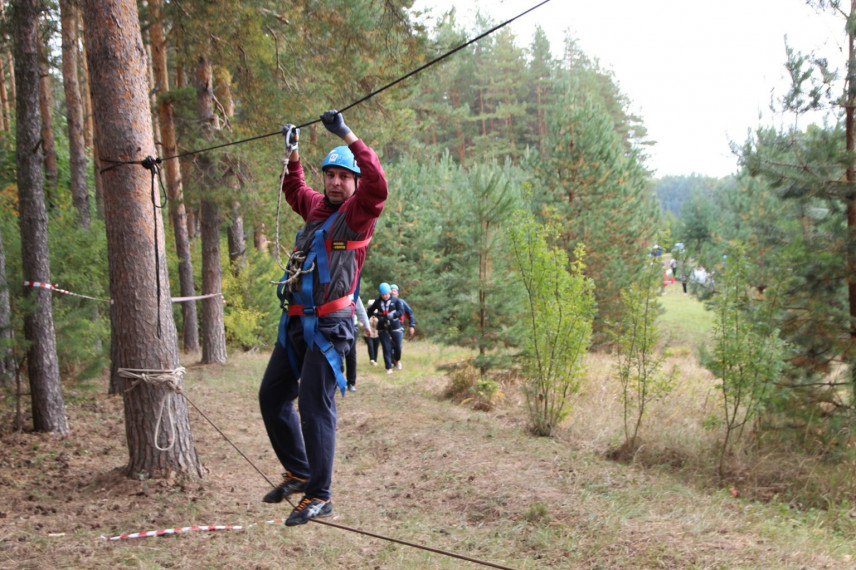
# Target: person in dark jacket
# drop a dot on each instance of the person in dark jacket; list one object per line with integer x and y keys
{"x": 317, "y": 327}
{"x": 398, "y": 337}
{"x": 388, "y": 311}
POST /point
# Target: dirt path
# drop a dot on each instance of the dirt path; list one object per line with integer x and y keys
{"x": 409, "y": 465}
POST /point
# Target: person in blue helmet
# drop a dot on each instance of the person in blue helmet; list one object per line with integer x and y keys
{"x": 388, "y": 311}
{"x": 398, "y": 336}
{"x": 317, "y": 329}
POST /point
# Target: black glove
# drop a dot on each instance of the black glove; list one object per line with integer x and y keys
{"x": 292, "y": 136}
{"x": 335, "y": 123}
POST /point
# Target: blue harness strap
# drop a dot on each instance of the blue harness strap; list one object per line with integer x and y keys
{"x": 309, "y": 319}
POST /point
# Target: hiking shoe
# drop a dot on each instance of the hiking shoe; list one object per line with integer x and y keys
{"x": 398, "y": 365}
{"x": 290, "y": 484}
{"x": 309, "y": 508}
{"x": 373, "y": 362}
{"x": 389, "y": 370}
{"x": 352, "y": 388}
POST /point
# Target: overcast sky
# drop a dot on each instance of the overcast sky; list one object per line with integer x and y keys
{"x": 698, "y": 73}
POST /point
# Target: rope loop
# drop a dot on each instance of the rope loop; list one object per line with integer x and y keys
{"x": 171, "y": 380}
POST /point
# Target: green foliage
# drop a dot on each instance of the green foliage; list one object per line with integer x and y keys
{"x": 638, "y": 365}
{"x": 595, "y": 186}
{"x": 443, "y": 239}
{"x": 560, "y": 307}
{"x": 747, "y": 353}
{"x": 251, "y": 314}
{"x": 468, "y": 387}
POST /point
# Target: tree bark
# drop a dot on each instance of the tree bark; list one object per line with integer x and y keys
{"x": 144, "y": 334}
{"x": 89, "y": 130}
{"x": 7, "y": 364}
{"x": 48, "y": 138}
{"x": 213, "y": 331}
{"x": 74, "y": 113}
{"x": 177, "y": 212}
{"x": 237, "y": 242}
{"x": 45, "y": 388}
{"x": 4, "y": 98}
{"x": 11, "y": 65}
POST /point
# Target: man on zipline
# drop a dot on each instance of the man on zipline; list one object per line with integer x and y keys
{"x": 317, "y": 328}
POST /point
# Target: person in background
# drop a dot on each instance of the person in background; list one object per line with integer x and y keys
{"x": 372, "y": 340}
{"x": 317, "y": 324}
{"x": 398, "y": 338}
{"x": 388, "y": 311}
{"x": 361, "y": 320}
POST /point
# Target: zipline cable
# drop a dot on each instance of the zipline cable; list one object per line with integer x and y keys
{"x": 416, "y": 71}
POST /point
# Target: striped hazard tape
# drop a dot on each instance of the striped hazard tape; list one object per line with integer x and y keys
{"x": 51, "y": 287}
{"x": 166, "y": 531}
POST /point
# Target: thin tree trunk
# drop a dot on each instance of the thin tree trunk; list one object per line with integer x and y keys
{"x": 260, "y": 240}
{"x": 213, "y": 331}
{"x": 11, "y": 65}
{"x": 74, "y": 113}
{"x": 177, "y": 212}
{"x": 7, "y": 334}
{"x": 144, "y": 333}
{"x": 48, "y": 138}
{"x": 89, "y": 131}
{"x": 45, "y": 388}
{"x": 237, "y": 243}
{"x": 4, "y": 98}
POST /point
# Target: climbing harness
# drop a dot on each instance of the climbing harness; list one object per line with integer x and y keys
{"x": 303, "y": 305}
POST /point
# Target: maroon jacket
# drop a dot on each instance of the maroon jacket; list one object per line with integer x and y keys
{"x": 355, "y": 222}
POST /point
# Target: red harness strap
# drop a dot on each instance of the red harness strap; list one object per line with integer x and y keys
{"x": 341, "y": 245}
{"x": 321, "y": 310}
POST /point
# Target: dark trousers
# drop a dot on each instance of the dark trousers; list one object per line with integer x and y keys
{"x": 386, "y": 344}
{"x": 351, "y": 364}
{"x": 305, "y": 444}
{"x": 397, "y": 341}
{"x": 372, "y": 344}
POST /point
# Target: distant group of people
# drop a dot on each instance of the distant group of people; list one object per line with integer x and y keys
{"x": 387, "y": 314}
{"x": 382, "y": 323}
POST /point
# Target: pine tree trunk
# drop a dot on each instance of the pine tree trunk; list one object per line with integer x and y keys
{"x": 10, "y": 61}
{"x": 48, "y": 139}
{"x": 178, "y": 215}
{"x": 4, "y": 99}
{"x": 74, "y": 113}
{"x": 7, "y": 364}
{"x": 45, "y": 389}
{"x": 213, "y": 331}
{"x": 89, "y": 130}
{"x": 144, "y": 334}
{"x": 260, "y": 240}
{"x": 237, "y": 243}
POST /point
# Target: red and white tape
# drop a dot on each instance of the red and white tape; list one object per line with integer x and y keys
{"x": 41, "y": 285}
{"x": 166, "y": 531}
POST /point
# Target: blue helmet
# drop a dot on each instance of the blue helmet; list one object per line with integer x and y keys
{"x": 394, "y": 286}
{"x": 384, "y": 288}
{"x": 342, "y": 157}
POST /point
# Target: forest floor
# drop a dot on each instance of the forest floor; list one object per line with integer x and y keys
{"x": 410, "y": 465}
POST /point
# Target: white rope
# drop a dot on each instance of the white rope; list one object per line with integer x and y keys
{"x": 294, "y": 269}
{"x": 169, "y": 379}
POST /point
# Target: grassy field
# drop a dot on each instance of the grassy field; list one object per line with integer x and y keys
{"x": 415, "y": 467}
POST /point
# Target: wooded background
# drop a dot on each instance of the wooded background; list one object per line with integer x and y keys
{"x": 500, "y": 128}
